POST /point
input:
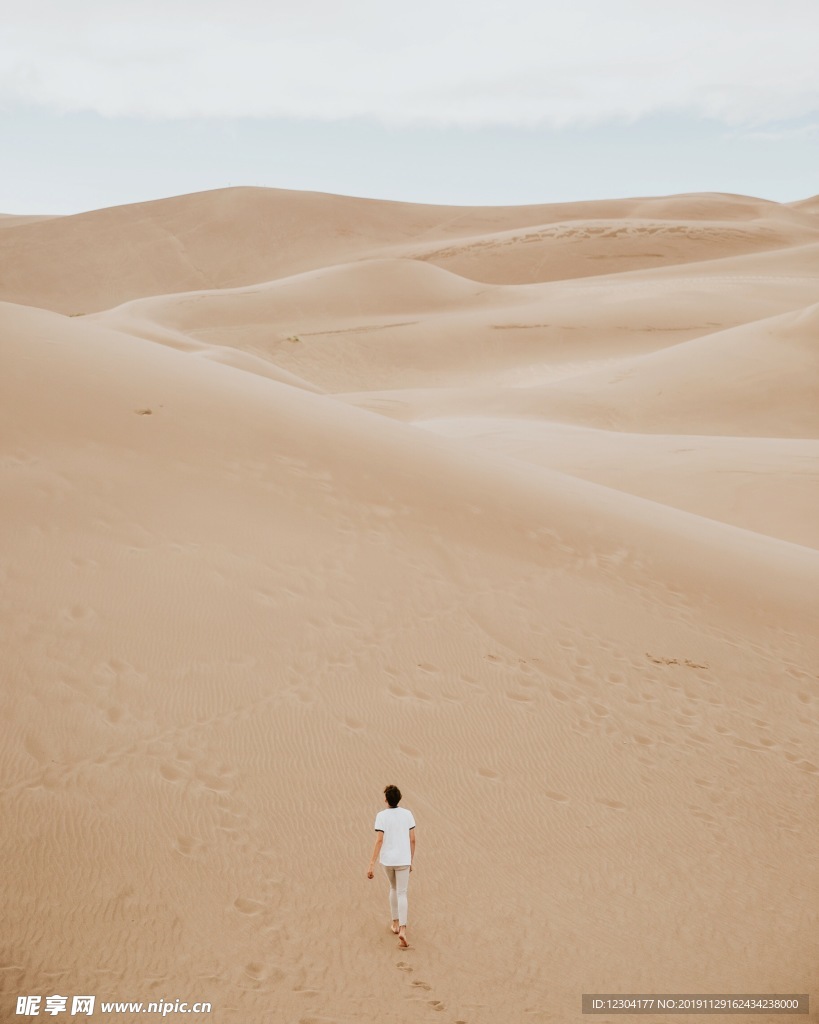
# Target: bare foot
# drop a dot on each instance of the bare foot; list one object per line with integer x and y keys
{"x": 402, "y": 936}
{"x": 394, "y": 927}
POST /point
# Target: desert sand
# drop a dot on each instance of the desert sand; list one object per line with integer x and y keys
{"x": 516, "y": 508}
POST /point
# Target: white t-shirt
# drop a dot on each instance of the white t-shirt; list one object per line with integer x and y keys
{"x": 395, "y": 823}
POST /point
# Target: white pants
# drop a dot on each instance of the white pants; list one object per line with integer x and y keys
{"x": 399, "y": 880}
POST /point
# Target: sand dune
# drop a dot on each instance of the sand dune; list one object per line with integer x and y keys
{"x": 765, "y": 485}
{"x": 586, "y": 248}
{"x": 221, "y": 239}
{"x": 13, "y": 220}
{"x": 301, "y": 513}
{"x": 757, "y": 380}
{"x": 233, "y": 237}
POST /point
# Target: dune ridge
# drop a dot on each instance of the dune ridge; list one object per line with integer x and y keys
{"x": 321, "y": 493}
{"x": 92, "y": 261}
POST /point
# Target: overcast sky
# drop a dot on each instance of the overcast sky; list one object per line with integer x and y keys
{"x": 112, "y": 101}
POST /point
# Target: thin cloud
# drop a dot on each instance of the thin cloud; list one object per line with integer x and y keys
{"x": 521, "y": 63}
{"x": 779, "y": 133}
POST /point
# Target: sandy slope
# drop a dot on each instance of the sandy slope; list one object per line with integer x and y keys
{"x": 543, "y": 552}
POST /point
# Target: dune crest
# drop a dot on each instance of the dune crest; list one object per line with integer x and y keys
{"x": 239, "y": 236}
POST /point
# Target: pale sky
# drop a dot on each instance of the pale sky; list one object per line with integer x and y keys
{"x": 441, "y": 101}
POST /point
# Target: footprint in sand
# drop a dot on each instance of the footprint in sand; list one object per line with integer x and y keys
{"x": 519, "y": 698}
{"x": 78, "y": 613}
{"x": 214, "y": 782}
{"x": 259, "y": 972}
{"x": 247, "y": 906}
{"x": 170, "y": 772}
{"x": 186, "y": 845}
{"x": 796, "y": 673}
{"x": 614, "y": 804}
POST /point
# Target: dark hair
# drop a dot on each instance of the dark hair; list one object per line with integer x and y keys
{"x": 393, "y": 795}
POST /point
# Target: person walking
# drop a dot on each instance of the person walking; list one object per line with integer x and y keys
{"x": 395, "y": 848}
